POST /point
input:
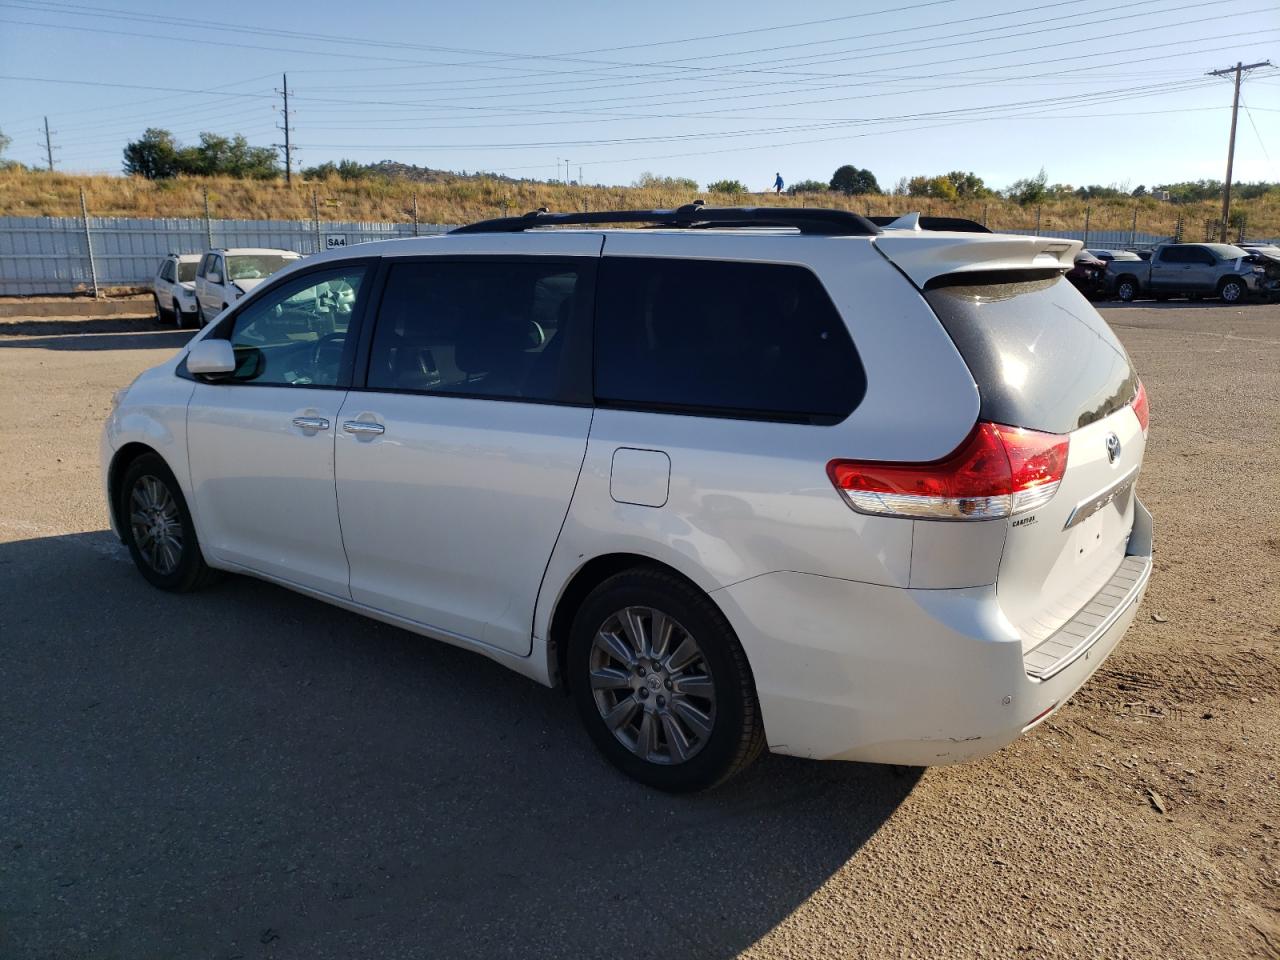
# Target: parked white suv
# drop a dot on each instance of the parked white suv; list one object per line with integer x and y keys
{"x": 174, "y": 289}
{"x": 757, "y": 477}
{"x": 225, "y": 276}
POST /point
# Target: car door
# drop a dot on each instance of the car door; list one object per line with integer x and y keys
{"x": 457, "y": 458}
{"x": 1202, "y": 270}
{"x": 260, "y": 442}
{"x": 1168, "y": 269}
{"x": 202, "y": 285}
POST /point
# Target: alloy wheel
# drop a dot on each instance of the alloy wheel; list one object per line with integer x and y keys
{"x": 652, "y": 685}
{"x": 156, "y": 524}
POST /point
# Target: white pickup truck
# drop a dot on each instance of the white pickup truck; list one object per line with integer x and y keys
{"x": 1189, "y": 270}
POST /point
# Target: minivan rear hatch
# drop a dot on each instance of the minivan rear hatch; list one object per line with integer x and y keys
{"x": 1044, "y": 359}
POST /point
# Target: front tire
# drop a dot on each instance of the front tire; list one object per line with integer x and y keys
{"x": 1232, "y": 291}
{"x": 157, "y": 527}
{"x": 662, "y": 684}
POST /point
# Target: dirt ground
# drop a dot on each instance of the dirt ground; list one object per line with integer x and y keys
{"x": 246, "y": 773}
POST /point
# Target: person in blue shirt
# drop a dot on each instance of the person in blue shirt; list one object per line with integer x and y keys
{"x": 777, "y": 183}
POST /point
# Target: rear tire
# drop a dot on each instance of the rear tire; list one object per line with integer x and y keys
{"x": 662, "y": 684}
{"x": 161, "y": 315}
{"x": 157, "y": 527}
{"x": 1127, "y": 289}
{"x": 1232, "y": 291}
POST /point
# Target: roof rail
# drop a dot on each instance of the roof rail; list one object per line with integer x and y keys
{"x": 693, "y": 215}
{"x": 955, "y": 224}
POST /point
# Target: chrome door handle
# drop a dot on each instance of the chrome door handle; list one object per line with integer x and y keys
{"x": 363, "y": 426}
{"x": 311, "y": 423}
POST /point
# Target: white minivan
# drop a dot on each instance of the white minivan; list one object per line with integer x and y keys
{"x": 751, "y": 478}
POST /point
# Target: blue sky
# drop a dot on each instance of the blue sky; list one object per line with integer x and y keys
{"x": 1091, "y": 90}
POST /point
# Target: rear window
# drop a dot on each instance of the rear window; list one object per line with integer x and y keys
{"x": 729, "y": 339}
{"x": 1041, "y": 356}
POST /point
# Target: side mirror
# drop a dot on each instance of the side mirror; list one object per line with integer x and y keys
{"x": 213, "y": 276}
{"x": 211, "y": 358}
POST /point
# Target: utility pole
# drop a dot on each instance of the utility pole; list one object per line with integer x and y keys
{"x": 287, "y": 146}
{"x": 48, "y": 144}
{"x": 1239, "y": 70}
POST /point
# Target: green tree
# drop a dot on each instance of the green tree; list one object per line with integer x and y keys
{"x": 854, "y": 181}
{"x": 321, "y": 171}
{"x": 940, "y": 188}
{"x": 154, "y": 155}
{"x": 732, "y": 187}
{"x": 352, "y": 170}
{"x": 1030, "y": 190}
{"x": 968, "y": 185}
{"x": 1139, "y": 191}
{"x": 807, "y": 186}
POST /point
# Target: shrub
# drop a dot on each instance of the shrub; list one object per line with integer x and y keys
{"x": 727, "y": 186}
{"x": 807, "y": 186}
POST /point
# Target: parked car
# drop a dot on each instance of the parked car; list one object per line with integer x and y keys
{"x": 1265, "y": 249}
{"x": 1108, "y": 255}
{"x": 225, "y": 276}
{"x": 845, "y": 492}
{"x": 1089, "y": 275}
{"x": 1189, "y": 269}
{"x": 174, "y": 289}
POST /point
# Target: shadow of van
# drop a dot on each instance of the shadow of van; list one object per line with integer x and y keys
{"x": 190, "y": 774}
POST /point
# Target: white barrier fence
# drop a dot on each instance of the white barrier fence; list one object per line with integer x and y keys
{"x": 63, "y": 255}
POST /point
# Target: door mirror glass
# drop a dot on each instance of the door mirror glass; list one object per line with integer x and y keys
{"x": 214, "y": 276}
{"x": 211, "y": 358}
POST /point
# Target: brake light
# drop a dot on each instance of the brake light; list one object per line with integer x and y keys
{"x": 998, "y": 471}
{"x": 1140, "y": 407}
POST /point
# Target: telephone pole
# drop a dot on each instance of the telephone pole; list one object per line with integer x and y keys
{"x": 287, "y": 146}
{"x": 48, "y": 144}
{"x": 1239, "y": 70}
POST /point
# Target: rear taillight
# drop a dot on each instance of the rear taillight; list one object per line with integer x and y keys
{"x": 996, "y": 472}
{"x": 1140, "y": 408}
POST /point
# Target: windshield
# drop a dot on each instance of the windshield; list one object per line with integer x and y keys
{"x": 1226, "y": 251}
{"x": 255, "y": 266}
{"x": 187, "y": 271}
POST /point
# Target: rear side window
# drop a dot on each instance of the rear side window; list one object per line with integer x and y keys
{"x": 497, "y": 329}
{"x": 730, "y": 339}
{"x": 1041, "y": 356}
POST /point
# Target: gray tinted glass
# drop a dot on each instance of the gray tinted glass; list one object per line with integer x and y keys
{"x": 1041, "y": 356}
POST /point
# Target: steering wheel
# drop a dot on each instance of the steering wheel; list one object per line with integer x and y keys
{"x": 326, "y": 342}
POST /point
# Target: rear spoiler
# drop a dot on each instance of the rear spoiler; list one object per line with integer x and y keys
{"x": 924, "y": 257}
{"x": 915, "y": 221}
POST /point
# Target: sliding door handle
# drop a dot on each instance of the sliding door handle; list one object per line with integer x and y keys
{"x": 363, "y": 427}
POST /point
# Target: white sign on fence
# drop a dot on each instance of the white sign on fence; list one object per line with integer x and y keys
{"x": 334, "y": 240}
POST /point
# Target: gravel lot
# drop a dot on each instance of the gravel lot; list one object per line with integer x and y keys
{"x": 247, "y": 773}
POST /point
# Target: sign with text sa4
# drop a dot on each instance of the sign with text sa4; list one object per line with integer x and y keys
{"x": 334, "y": 240}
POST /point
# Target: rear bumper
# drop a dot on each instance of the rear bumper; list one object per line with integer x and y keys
{"x": 854, "y": 671}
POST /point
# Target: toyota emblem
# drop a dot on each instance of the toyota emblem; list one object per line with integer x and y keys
{"x": 1113, "y": 448}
